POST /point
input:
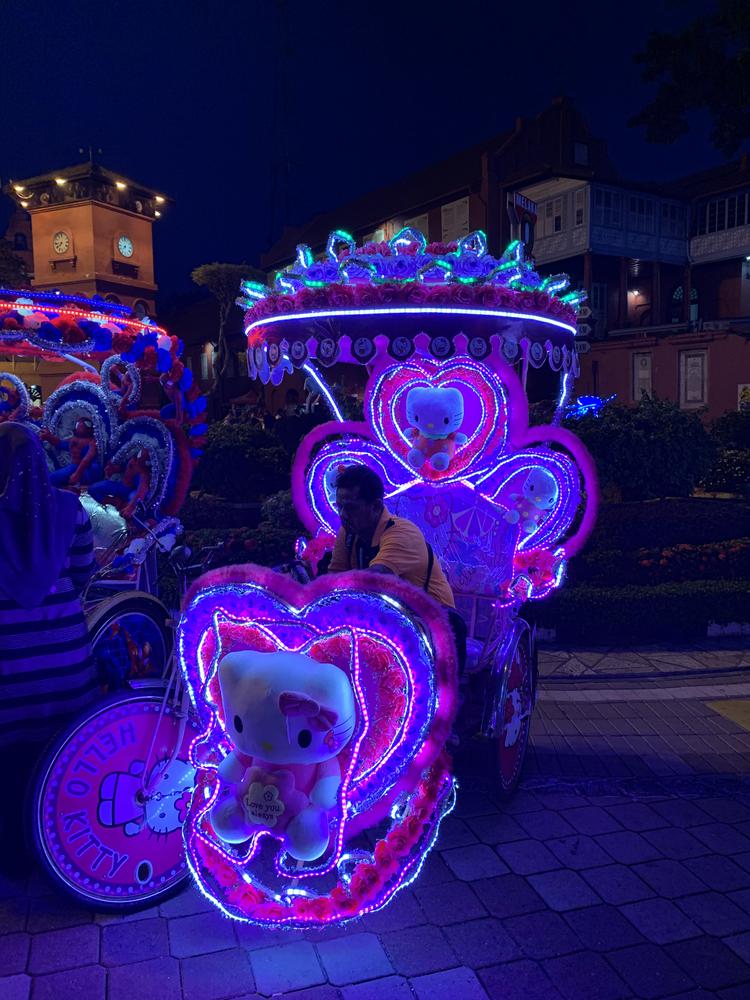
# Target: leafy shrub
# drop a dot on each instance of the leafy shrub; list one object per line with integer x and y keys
{"x": 652, "y": 450}
{"x": 730, "y": 473}
{"x": 269, "y": 544}
{"x": 610, "y": 615}
{"x": 242, "y": 462}
{"x": 207, "y": 511}
{"x": 662, "y": 523}
{"x": 732, "y": 430}
{"x": 715, "y": 561}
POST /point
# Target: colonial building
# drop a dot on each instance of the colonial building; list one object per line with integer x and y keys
{"x": 83, "y": 230}
{"x": 90, "y": 233}
{"x": 666, "y": 267}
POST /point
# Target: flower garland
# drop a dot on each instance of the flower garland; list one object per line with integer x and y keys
{"x": 371, "y": 884}
{"x": 364, "y": 882}
{"x": 365, "y": 296}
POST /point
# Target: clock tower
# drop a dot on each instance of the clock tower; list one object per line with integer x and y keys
{"x": 91, "y": 233}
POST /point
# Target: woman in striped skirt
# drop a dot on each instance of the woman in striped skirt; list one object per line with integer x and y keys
{"x": 46, "y": 557}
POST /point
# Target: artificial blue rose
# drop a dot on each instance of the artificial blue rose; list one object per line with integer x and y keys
{"x": 399, "y": 268}
{"x": 470, "y": 265}
{"x": 321, "y": 271}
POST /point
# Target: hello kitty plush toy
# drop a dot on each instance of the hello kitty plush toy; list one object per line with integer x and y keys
{"x": 532, "y": 506}
{"x": 289, "y": 717}
{"x": 435, "y": 415}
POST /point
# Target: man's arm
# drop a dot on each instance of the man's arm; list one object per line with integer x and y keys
{"x": 340, "y": 558}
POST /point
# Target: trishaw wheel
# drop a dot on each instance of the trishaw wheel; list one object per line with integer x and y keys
{"x": 514, "y": 715}
{"x": 107, "y": 801}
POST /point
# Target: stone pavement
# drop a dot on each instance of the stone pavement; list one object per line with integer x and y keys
{"x": 620, "y": 869}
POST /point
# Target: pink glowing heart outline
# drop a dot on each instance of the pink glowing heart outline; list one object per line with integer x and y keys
{"x": 426, "y": 648}
{"x": 385, "y": 406}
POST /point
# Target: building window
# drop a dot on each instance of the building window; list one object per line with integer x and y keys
{"x": 580, "y": 153}
{"x": 641, "y": 214}
{"x": 455, "y": 219}
{"x": 676, "y": 306}
{"x": 721, "y": 213}
{"x": 552, "y": 216}
{"x": 579, "y": 198}
{"x": 599, "y": 300}
{"x": 376, "y": 236}
{"x": 607, "y": 208}
{"x": 140, "y": 308}
{"x": 20, "y": 242}
{"x": 421, "y": 223}
{"x": 208, "y": 362}
{"x": 673, "y": 220}
{"x": 112, "y": 298}
{"x": 693, "y": 378}
{"x": 641, "y": 376}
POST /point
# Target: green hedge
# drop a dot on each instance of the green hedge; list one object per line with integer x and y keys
{"x": 662, "y": 523}
{"x": 242, "y": 462}
{"x": 644, "y": 567}
{"x": 732, "y": 430}
{"x": 670, "y": 611}
{"x": 654, "y": 449}
{"x": 730, "y": 473}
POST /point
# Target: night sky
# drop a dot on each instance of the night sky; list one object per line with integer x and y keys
{"x": 180, "y": 96}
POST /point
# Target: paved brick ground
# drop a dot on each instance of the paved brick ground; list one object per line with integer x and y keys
{"x": 621, "y": 869}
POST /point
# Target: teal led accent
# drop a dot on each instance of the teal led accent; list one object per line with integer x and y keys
{"x": 337, "y": 237}
{"x": 305, "y": 255}
{"x": 475, "y": 242}
{"x": 405, "y": 237}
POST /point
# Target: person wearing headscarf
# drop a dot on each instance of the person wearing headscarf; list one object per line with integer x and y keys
{"x": 47, "y": 671}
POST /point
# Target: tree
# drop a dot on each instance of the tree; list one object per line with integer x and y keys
{"x": 703, "y": 66}
{"x": 12, "y": 268}
{"x": 223, "y": 281}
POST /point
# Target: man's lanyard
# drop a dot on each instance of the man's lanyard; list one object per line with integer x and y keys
{"x": 352, "y": 546}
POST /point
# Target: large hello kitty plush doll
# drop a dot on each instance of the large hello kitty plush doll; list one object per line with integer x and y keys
{"x": 435, "y": 415}
{"x": 289, "y": 717}
{"x": 533, "y": 504}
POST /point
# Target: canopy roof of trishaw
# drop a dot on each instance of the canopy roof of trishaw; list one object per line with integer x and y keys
{"x": 446, "y": 298}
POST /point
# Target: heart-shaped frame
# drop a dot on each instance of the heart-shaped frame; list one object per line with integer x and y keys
{"x": 485, "y": 410}
{"x": 251, "y": 607}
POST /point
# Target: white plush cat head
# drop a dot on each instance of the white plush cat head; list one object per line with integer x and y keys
{"x": 541, "y": 489}
{"x": 286, "y": 708}
{"x": 435, "y": 412}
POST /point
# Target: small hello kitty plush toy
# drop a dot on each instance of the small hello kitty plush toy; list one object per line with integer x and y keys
{"x": 532, "y": 506}
{"x": 435, "y": 415}
{"x": 289, "y": 717}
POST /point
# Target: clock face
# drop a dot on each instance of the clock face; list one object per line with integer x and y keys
{"x": 125, "y": 246}
{"x": 61, "y": 242}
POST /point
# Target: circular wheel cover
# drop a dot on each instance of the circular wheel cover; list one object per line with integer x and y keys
{"x": 130, "y": 639}
{"x": 516, "y": 716}
{"x": 100, "y": 835}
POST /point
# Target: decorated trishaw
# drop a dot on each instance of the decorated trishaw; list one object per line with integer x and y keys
{"x": 325, "y": 708}
{"x": 123, "y": 427}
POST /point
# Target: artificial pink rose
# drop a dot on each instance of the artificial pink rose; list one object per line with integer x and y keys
{"x": 366, "y": 296}
{"x": 271, "y": 911}
{"x": 286, "y": 304}
{"x": 463, "y": 295}
{"x": 341, "y": 296}
{"x": 365, "y": 881}
{"x": 399, "y": 841}
{"x": 322, "y": 908}
{"x": 343, "y": 900}
{"x": 385, "y": 858}
{"x": 305, "y": 298}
